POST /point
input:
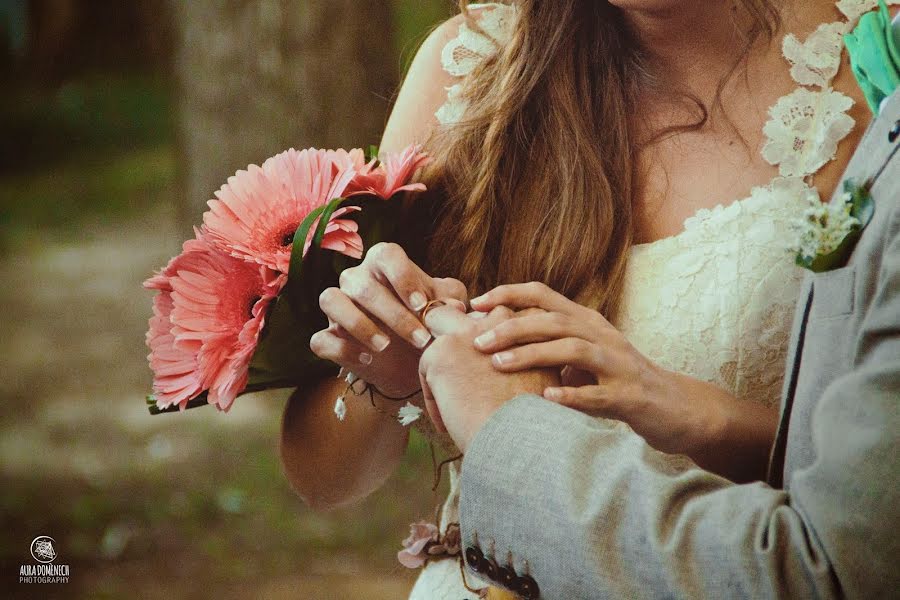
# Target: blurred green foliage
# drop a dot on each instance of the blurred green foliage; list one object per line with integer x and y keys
{"x": 103, "y": 144}
{"x": 199, "y": 505}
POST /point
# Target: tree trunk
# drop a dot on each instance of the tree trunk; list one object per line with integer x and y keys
{"x": 256, "y": 77}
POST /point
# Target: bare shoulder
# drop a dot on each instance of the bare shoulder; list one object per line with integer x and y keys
{"x": 424, "y": 90}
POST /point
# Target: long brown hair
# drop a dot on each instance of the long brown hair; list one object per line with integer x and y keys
{"x": 537, "y": 181}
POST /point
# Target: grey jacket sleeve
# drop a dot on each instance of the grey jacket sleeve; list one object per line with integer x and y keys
{"x": 597, "y": 513}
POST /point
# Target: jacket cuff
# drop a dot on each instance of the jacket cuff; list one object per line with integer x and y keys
{"x": 503, "y": 490}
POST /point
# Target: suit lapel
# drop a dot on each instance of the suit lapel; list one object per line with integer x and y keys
{"x": 878, "y": 146}
{"x": 795, "y": 353}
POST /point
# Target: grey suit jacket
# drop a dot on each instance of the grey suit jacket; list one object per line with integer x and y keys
{"x": 597, "y": 513}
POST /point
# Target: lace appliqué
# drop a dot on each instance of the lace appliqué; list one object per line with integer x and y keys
{"x": 807, "y": 125}
{"x": 805, "y": 129}
{"x": 469, "y": 49}
{"x": 854, "y": 9}
{"x": 815, "y": 61}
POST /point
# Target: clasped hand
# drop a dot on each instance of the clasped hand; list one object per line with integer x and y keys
{"x": 522, "y": 338}
{"x": 532, "y": 339}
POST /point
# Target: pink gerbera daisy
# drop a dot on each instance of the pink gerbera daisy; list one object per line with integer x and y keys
{"x": 219, "y": 303}
{"x": 175, "y": 376}
{"x": 391, "y": 175}
{"x": 206, "y": 322}
{"x": 258, "y": 211}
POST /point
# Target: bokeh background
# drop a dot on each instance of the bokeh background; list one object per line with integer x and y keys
{"x": 118, "y": 120}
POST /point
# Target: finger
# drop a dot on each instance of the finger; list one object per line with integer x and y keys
{"x": 374, "y": 298}
{"x": 527, "y": 312}
{"x": 410, "y": 283}
{"x": 526, "y": 295}
{"x": 556, "y": 353}
{"x": 343, "y": 351}
{"x": 431, "y": 406}
{"x": 450, "y": 320}
{"x": 344, "y": 316}
{"x": 595, "y": 400}
{"x": 536, "y": 327}
{"x": 447, "y": 288}
{"x": 444, "y": 320}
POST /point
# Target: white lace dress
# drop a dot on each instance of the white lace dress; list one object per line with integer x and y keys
{"x": 716, "y": 300}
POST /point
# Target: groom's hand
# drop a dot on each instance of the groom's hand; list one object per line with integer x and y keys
{"x": 461, "y": 387}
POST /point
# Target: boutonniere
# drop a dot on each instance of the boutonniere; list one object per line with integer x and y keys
{"x": 827, "y": 233}
{"x": 875, "y": 56}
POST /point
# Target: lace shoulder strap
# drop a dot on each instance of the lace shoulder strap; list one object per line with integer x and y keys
{"x": 469, "y": 48}
{"x": 806, "y": 126}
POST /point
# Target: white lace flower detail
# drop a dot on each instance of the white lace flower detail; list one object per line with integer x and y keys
{"x": 408, "y": 414}
{"x": 469, "y": 49}
{"x": 816, "y": 61}
{"x": 805, "y": 129}
{"x": 340, "y": 408}
{"x": 454, "y": 108}
{"x": 854, "y": 9}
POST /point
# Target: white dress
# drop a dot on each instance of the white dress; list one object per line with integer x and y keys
{"x": 715, "y": 301}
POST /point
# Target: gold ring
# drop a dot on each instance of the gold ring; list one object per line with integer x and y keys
{"x": 428, "y": 306}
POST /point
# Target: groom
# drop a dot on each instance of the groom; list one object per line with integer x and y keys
{"x": 581, "y": 510}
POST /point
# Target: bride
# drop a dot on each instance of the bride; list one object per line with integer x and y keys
{"x": 644, "y": 160}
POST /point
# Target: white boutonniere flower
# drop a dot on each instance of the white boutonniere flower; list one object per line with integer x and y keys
{"x": 827, "y": 233}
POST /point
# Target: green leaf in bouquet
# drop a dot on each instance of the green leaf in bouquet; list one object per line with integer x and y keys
{"x": 307, "y": 271}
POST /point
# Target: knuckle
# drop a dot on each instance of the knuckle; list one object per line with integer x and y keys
{"x": 457, "y": 288}
{"x": 360, "y": 289}
{"x": 328, "y": 296}
{"x": 536, "y": 288}
{"x": 506, "y": 330}
{"x": 578, "y": 346}
{"x": 347, "y": 276}
{"x": 558, "y": 320}
{"x": 317, "y": 343}
{"x": 385, "y": 251}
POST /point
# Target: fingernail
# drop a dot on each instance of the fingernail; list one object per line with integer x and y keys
{"x": 380, "y": 342}
{"x": 417, "y": 300}
{"x": 475, "y": 314}
{"x": 365, "y": 358}
{"x": 421, "y": 338}
{"x": 502, "y": 358}
{"x": 553, "y": 393}
{"x": 478, "y": 299}
{"x": 485, "y": 339}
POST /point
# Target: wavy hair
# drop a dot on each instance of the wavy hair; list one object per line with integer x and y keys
{"x": 537, "y": 181}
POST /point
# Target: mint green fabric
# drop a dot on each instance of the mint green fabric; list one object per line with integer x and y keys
{"x": 874, "y": 56}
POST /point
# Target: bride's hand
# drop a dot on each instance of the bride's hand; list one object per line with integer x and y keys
{"x": 622, "y": 383}
{"x": 374, "y": 329}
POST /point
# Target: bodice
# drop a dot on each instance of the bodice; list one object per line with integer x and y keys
{"x": 715, "y": 301}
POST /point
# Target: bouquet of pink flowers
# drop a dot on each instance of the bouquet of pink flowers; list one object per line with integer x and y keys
{"x": 235, "y": 310}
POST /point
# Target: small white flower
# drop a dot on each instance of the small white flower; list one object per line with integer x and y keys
{"x": 409, "y": 414}
{"x": 340, "y": 408}
{"x": 823, "y": 227}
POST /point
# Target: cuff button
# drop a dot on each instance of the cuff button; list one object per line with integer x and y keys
{"x": 527, "y": 587}
{"x": 475, "y": 559}
{"x": 506, "y": 577}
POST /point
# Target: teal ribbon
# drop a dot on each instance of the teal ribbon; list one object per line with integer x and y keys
{"x": 874, "y": 56}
